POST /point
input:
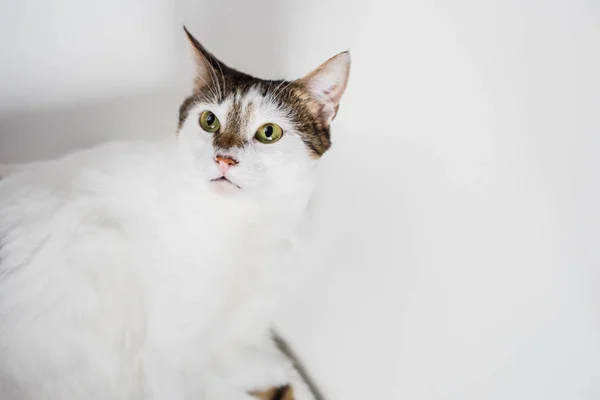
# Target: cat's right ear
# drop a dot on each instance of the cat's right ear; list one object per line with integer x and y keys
{"x": 209, "y": 70}
{"x": 328, "y": 82}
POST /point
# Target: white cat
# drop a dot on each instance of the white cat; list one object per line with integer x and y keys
{"x": 148, "y": 270}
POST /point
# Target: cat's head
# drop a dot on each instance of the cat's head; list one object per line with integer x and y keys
{"x": 253, "y": 135}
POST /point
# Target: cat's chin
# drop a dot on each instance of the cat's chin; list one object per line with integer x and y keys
{"x": 224, "y": 185}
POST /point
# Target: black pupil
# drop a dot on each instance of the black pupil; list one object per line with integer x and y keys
{"x": 268, "y": 131}
{"x": 210, "y": 119}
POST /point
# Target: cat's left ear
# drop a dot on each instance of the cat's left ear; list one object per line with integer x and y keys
{"x": 209, "y": 70}
{"x": 327, "y": 83}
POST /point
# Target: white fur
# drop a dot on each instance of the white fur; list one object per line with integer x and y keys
{"x": 126, "y": 274}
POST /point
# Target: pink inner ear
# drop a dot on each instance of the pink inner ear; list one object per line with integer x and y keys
{"x": 328, "y": 82}
{"x": 335, "y": 110}
{"x": 330, "y": 111}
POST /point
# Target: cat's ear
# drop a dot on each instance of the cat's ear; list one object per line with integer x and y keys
{"x": 328, "y": 82}
{"x": 209, "y": 70}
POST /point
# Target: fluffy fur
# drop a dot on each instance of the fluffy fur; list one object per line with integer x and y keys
{"x": 127, "y": 272}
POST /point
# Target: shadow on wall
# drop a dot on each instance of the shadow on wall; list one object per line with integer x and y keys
{"x": 36, "y": 135}
{"x": 249, "y": 36}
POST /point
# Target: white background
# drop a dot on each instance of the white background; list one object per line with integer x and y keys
{"x": 455, "y": 253}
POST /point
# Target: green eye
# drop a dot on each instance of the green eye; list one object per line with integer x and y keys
{"x": 209, "y": 122}
{"x": 269, "y": 133}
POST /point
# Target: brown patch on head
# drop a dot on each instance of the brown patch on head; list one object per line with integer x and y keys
{"x": 233, "y": 135}
{"x": 319, "y": 94}
{"x": 311, "y": 102}
{"x": 275, "y": 393}
{"x": 314, "y": 129}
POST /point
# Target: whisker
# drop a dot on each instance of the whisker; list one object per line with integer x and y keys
{"x": 275, "y": 92}
{"x": 286, "y": 86}
{"x": 221, "y": 75}
{"x": 208, "y": 86}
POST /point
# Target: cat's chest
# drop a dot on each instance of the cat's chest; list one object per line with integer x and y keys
{"x": 206, "y": 272}
{"x": 208, "y": 275}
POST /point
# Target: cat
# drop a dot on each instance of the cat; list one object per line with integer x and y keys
{"x": 149, "y": 270}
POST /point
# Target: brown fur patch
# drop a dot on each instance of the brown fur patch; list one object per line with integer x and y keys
{"x": 233, "y": 135}
{"x": 275, "y": 393}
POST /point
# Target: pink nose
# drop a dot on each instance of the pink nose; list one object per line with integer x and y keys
{"x": 225, "y": 163}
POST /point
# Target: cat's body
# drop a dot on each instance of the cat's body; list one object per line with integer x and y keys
{"x": 100, "y": 290}
{"x": 148, "y": 270}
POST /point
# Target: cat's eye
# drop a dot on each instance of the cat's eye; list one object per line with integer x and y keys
{"x": 269, "y": 133}
{"x": 209, "y": 122}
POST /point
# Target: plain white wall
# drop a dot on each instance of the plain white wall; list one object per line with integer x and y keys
{"x": 456, "y": 254}
{"x": 61, "y": 51}
{"x": 453, "y": 248}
